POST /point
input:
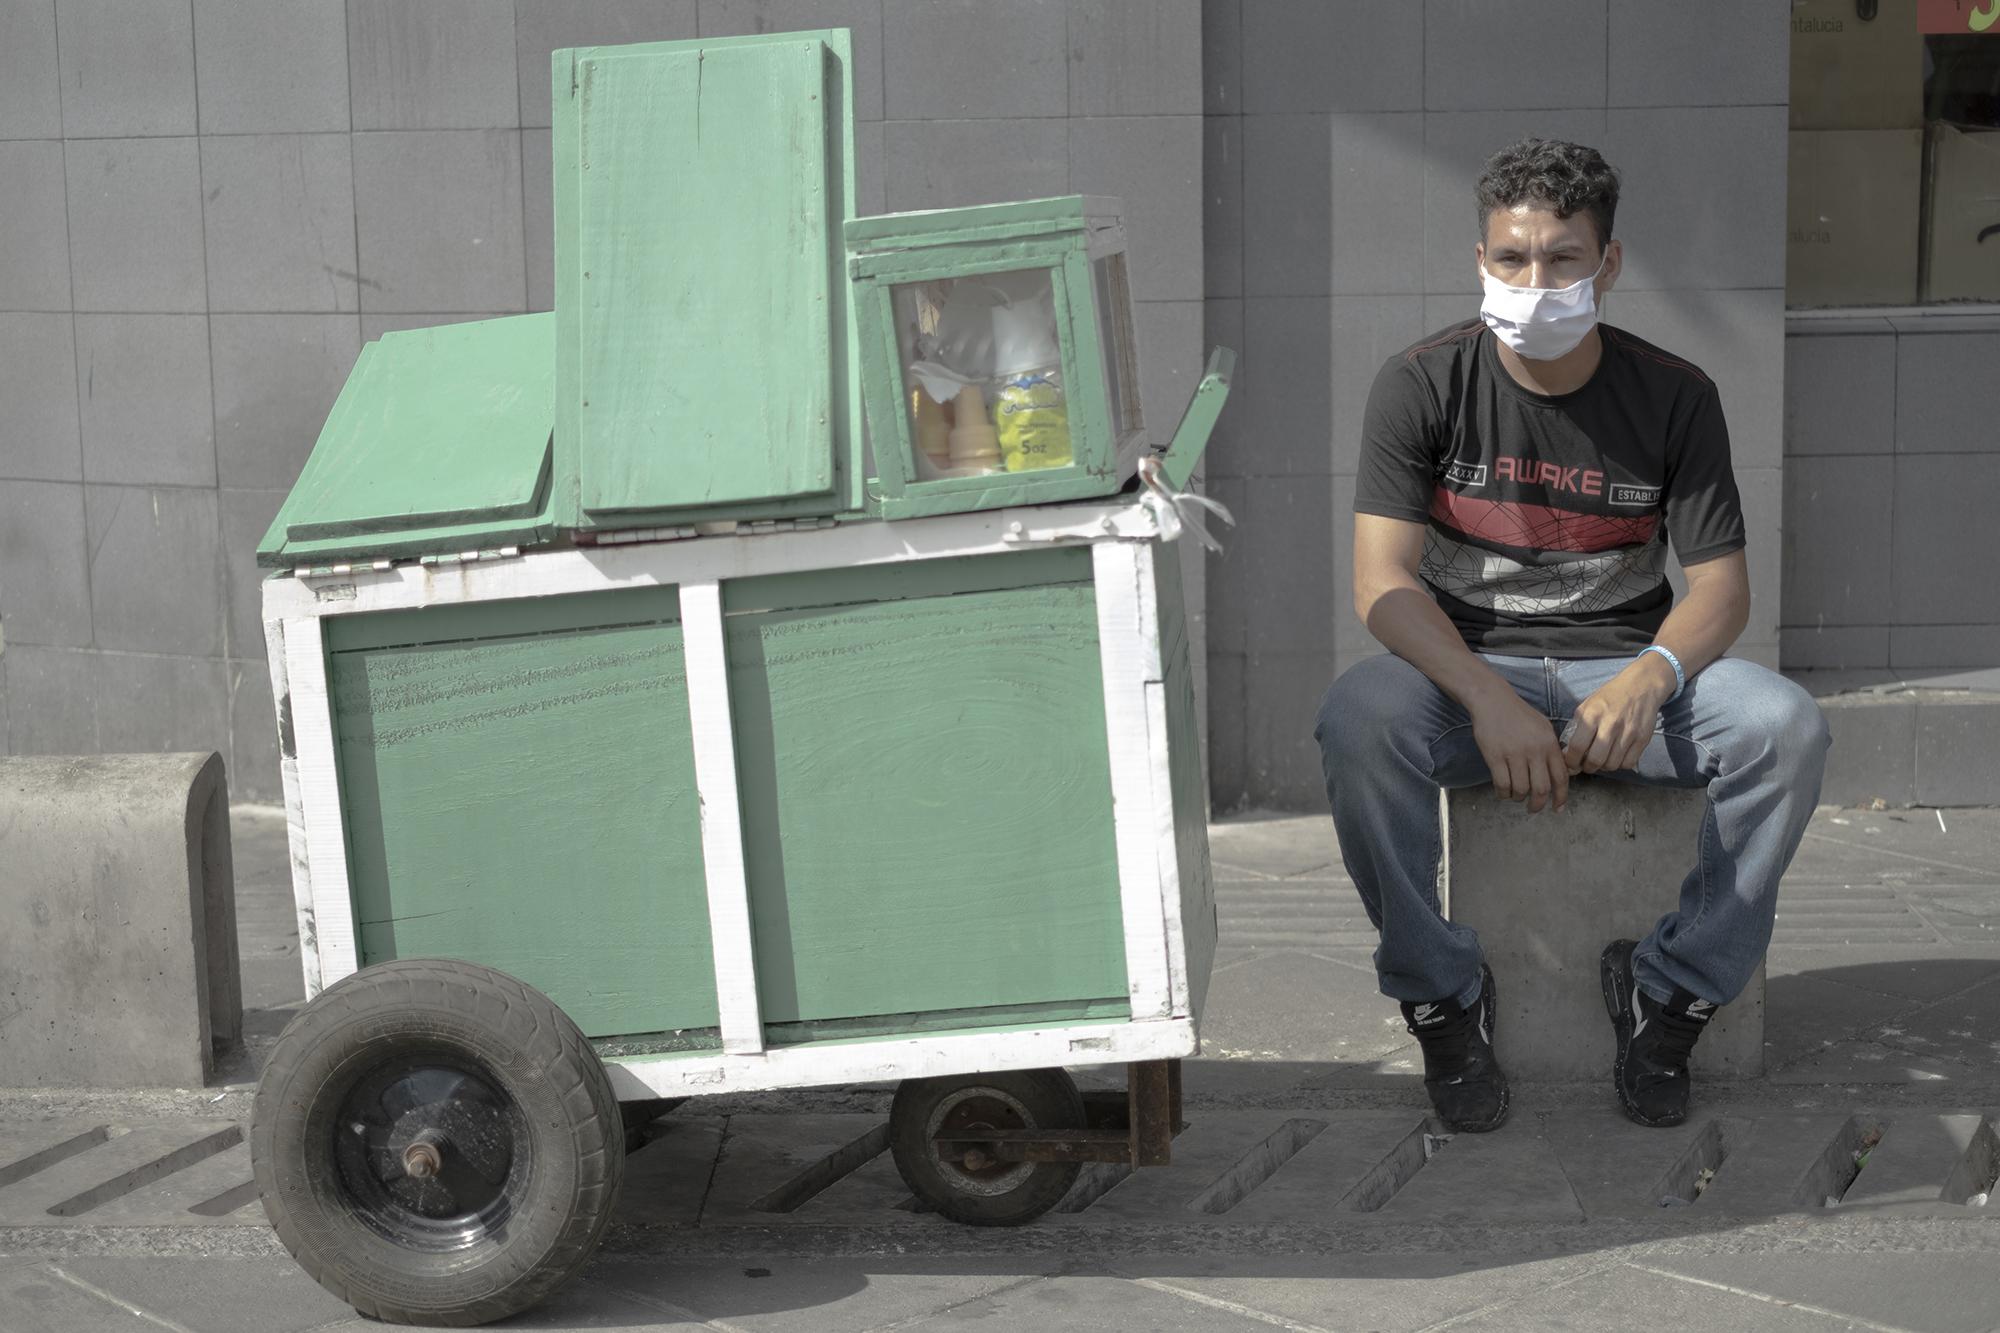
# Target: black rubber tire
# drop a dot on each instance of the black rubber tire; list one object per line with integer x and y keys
{"x": 565, "y": 1146}
{"x": 1040, "y": 1098}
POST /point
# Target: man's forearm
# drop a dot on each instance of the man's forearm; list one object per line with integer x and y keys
{"x": 1704, "y": 623}
{"x": 1410, "y": 624}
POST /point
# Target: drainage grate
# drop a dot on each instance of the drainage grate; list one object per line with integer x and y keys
{"x": 1257, "y": 1166}
{"x": 1388, "y": 1176}
{"x": 1975, "y": 1174}
{"x": 1096, "y": 1180}
{"x": 1688, "y": 1178}
{"x": 1829, "y": 1178}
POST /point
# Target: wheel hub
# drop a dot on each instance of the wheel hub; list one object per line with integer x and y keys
{"x": 427, "y": 1153}
{"x": 965, "y": 1113}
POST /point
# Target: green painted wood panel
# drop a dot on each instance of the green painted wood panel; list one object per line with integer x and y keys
{"x": 518, "y": 785}
{"x": 926, "y": 791}
{"x": 1185, "y": 776}
{"x": 439, "y": 441}
{"x": 707, "y": 245}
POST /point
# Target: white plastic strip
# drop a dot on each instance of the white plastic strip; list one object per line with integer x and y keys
{"x": 877, "y": 1061}
{"x": 1128, "y": 638}
{"x": 332, "y": 907}
{"x": 708, "y": 559}
{"x": 721, "y": 819}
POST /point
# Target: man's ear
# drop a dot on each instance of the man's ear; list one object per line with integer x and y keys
{"x": 1614, "y": 264}
{"x": 1479, "y": 260}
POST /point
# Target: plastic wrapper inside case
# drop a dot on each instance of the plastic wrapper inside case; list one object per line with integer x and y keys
{"x": 983, "y": 374}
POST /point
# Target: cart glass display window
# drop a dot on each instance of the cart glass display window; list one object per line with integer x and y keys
{"x": 997, "y": 358}
{"x": 982, "y": 364}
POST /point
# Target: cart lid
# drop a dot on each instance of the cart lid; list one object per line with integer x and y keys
{"x": 439, "y": 442}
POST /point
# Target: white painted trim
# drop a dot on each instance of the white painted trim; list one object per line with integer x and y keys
{"x": 706, "y": 559}
{"x": 1128, "y": 637}
{"x": 1166, "y": 847}
{"x": 876, "y": 1061}
{"x": 295, "y": 811}
{"x": 319, "y": 798}
{"x": 707, "y": 656}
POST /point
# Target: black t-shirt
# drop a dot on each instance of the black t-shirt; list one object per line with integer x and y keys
{"x": 1548, "y": 516}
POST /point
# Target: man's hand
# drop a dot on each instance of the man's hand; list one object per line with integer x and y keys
{"x": 1520, "y": 750}
{"x": 1614, "y": 724}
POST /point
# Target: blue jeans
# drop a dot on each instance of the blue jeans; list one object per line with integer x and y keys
{"x": 1390, "y": 738}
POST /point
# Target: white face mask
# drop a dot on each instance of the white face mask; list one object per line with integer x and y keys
{"x": 1541, "y": 323}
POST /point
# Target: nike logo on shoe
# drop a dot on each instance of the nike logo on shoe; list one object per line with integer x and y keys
{"x": 1700, "y": 1009}
{"x": 1424, "y": 1012}
{"x": 1638, "y": 1014}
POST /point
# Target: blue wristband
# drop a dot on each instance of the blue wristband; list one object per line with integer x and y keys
{"x": 1680, "y": 677}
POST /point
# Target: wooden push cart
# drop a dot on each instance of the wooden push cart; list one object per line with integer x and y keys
{"x": 593, "y": 809}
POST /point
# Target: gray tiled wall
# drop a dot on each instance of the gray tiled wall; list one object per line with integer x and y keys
{"x": 1892, "y": 460}
{"x": 206, "y": 206}
{"x": 1341, "y": 143}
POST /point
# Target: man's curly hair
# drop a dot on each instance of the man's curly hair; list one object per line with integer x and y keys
{"x": 1566, "y": 177}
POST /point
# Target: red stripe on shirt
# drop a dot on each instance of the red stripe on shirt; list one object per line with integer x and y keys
{"x": 1538, "y": 527}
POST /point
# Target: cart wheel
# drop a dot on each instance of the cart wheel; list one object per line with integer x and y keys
{"x": 983, "y": 1193}
{"x": 436, "y": 1143}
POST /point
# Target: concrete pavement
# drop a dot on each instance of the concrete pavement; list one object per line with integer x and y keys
{"x": 1309, "y": 1192}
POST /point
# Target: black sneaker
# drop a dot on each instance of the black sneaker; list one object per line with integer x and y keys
{"x": 1460, "y": 1073}
{"x": 1654, "y": 1040}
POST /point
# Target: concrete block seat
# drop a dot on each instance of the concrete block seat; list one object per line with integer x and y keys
{"x": 1546, "y": 894}
{"x": 118, "y": 959}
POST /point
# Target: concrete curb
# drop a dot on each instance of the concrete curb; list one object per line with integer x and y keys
{"x": 1917, "y": 746}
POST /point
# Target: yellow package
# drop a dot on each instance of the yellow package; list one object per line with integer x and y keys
{"x": 1032, "y": 418}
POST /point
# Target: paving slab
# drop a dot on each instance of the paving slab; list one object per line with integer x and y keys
{"x": 1499, "y": 1176}
{"x": 1616, "y": 1168}
{"x": 1938, "y": 1293}
{"x": 1058, "y": 1304}
{"x": 36, "y": 1299}
{"x": 1392, "y": 1293}
{"x": 1308, "y": 912}
{"x": 1860, "y": 1063}
{"x": 783, "y": 1294}
{"x": 759, "y": 1179}
{"x": 1292, "y": 1006}
{"x": 1911, "y": 974}
{"x": 216, "y": 1295}
{"x": 1623, "y": 1296}
{"x": 666, "y": 1180}
{"x": 1279, "y": 846}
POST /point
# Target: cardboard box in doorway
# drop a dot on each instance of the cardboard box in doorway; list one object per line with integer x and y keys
{"x": 1852, "y": 230}
{"x": 1851, "y": 72}
{"x": 1965, "y": 215}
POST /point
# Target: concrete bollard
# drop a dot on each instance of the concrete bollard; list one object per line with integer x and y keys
{"x": 118, "y": 964}
{"x": 1547, "y": 892}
